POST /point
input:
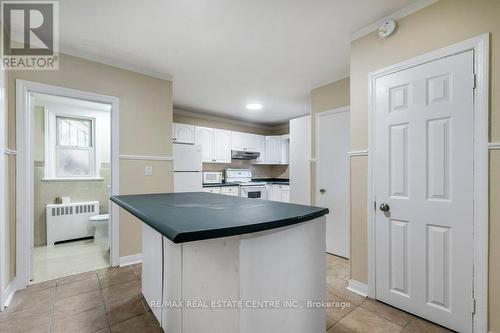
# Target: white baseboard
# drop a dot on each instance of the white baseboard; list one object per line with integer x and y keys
{"x": 7, "y": 295}
{"x": 130, "y": 260}
{"x": 358, "y": 288}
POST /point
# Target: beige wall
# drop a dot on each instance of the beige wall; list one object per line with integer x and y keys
{"x": 331, "y": 96}
{"x": 436, "y": 26}
{"x": 145, "y": 129}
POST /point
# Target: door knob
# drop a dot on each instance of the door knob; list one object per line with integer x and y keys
{"x": 322, "y": 190}
{"x": 384, "y": 207}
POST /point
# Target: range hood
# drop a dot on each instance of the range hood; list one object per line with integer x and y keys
{"x": 244, "y": 155}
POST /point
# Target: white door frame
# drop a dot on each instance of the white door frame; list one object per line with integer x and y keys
{"x": 346, "y": 108}
{"x": 25, "y": 171}
{"x": 480, "y": 46}
{"x": 3, "y": 180}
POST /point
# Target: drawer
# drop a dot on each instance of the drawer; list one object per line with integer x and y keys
{"x": 230, "y": 190}
{"x": 211, "y": 189}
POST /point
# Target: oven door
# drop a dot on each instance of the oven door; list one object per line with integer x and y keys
{"x": 254, "y": 192}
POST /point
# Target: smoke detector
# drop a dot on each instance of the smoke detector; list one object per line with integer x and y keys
{"x": 387, "y": 29}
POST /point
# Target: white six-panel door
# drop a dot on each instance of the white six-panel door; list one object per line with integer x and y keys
{"x": 424, "y": 173}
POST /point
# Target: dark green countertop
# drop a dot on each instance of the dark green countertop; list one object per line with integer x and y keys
{"x": 221, "y": 185}
{"x": 185, "y": 217}
{"x": 269, "y": 181}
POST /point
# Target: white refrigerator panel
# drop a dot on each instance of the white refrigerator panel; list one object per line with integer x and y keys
{"x": 188, "y": 182}
{"x": 187, "y": 157}
{"x": 299, "y": 160}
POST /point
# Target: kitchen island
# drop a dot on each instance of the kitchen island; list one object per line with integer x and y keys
{"x": 215, "y": 263}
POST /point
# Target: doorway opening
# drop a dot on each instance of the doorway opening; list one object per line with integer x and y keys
{"x": 72, "y": 183}
{"x": 67, "y": 169}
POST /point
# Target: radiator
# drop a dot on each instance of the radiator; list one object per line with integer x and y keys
{"x": 70, "y": 221}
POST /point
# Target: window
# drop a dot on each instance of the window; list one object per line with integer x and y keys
{"x": 74, "y": 155}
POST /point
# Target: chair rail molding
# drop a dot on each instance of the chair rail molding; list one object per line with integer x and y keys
{"x": 494, "y": 146}
{"x": 10, "y": 152}
{"x": 146, "y": 158}
{"x": 357, "y": 153}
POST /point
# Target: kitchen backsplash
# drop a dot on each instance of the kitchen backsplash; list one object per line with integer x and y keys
{"x": 258, "y": 171}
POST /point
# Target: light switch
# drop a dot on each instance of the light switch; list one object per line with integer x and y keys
{"x": 148, "y": 170}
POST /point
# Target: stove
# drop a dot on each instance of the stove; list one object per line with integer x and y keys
{"x": 248, "y": 188}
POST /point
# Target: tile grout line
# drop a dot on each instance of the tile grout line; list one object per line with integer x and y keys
{"x": 388, "y": 319}
{"x": 103, "y": 301}
{"x": 51, "y": 319}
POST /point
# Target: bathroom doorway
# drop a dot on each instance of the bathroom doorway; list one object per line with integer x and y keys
{"x": 72, "y": 183}
{"x": 68, "y": 155}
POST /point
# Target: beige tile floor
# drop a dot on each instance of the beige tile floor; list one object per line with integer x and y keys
{"x": 363, "y": 314}
{"x": 107, "y": 300}
{"x": 110, "y": 300}
{"x": 53, "y": 262}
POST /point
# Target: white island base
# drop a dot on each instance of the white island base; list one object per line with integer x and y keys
{"x": 286, "y": 265}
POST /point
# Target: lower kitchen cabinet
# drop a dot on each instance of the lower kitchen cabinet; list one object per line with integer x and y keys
{"x": 280, "y": 193}
{"x": 212, "y": 189}
{"x": 226, "y": 190}
{"x": 230, "y": 190}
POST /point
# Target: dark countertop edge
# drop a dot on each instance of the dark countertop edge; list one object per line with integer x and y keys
{"x": 219, "y": 233}
{"x": 141, "y": 217}
{"x": 270, "y": 181}
{"x": 242, "y": 230}
{"x": 220, "y": 185}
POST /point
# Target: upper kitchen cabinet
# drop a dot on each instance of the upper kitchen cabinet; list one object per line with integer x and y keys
{"x": 215, "y": 144}
{"x": 273, "y": 149}
{"x": 285, "y": 148}
{"x": 222, "y": 146}
{"x": 183, "y": 133}
{"x": 277, "y": 147}
{"x": 204, "y": 137}
{"x": 249, "y": 142}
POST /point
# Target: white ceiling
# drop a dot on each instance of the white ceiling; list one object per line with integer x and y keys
{"x": 223, "y": 54}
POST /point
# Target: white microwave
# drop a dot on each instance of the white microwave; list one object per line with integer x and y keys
{"x": 210, "y": 177}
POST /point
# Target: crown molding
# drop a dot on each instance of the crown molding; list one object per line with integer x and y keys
{"x": 408, "y": 10}
{"x": 183, "y": 112}
{"x": 71, "y": 51}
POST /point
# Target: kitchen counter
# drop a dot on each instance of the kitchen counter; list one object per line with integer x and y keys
{"x": 270, "y": 181}
{"x": 221, "y": 185}
{"x": 215, "y": 263}
{"x": 278, "y": 181}
{"x": 185, "y": 217}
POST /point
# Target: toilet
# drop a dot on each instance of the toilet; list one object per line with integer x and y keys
{"x": 100, "y": 223}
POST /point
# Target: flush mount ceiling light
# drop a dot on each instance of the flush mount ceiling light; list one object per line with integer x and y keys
{"x": 254, "y": 106}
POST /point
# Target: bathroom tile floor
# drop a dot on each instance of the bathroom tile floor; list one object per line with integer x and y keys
{"x": 110, "y": 300}
{"x": 53, "y": 262}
